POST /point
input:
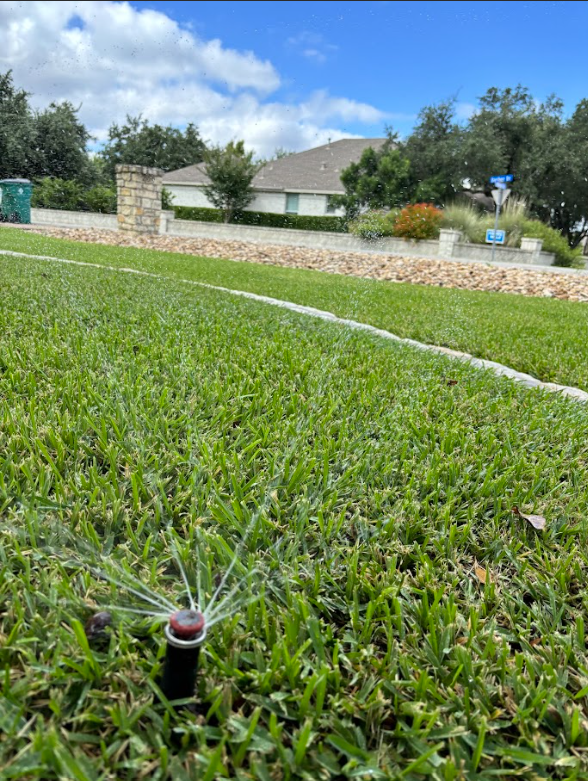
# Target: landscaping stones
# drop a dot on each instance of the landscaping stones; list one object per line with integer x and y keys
{"x": 392, "y": 268}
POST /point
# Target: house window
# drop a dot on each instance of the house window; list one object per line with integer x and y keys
{"x": 331, "y": 208}
{"x": 292, "y": 203}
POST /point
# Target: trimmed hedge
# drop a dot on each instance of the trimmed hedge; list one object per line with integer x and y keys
{"x": 200, "y": 214}
{"x": 265, "y": 219}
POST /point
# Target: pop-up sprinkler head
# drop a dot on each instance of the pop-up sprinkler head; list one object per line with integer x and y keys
{"x": 185, "y": 633}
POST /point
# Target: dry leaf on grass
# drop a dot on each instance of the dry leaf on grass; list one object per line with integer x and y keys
{"x": 536, "y": 521}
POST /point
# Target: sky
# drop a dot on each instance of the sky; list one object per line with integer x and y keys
{"x": 288, "y": 74}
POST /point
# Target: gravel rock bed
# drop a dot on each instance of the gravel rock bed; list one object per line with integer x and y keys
{"x": 392, "y": 268}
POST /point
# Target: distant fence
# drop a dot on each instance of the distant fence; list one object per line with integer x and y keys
{"x": 449, "y": 245}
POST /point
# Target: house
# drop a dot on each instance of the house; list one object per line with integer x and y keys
{"x": 300, "y": 183}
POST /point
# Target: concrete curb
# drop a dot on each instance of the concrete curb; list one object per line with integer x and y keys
{"x": 480, "y": 363}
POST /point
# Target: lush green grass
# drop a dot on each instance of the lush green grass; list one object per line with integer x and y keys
{"x": 543, "y": 337}
{"x": 128, "y": 405}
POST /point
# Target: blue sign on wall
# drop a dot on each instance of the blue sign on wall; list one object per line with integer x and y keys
{"x": 500, "y": 236}
{"x": 503, "y": 178}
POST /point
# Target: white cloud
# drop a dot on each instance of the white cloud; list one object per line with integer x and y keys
{"x": 312, "y": 45}
{"x": 321, "y": 104}
{"x": 113, "y": 60}
{"x": 273, "y": 124}
{"x": 314, "y": 54}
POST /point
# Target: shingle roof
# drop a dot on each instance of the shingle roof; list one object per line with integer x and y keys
{"x": 316, "y": 170}
{"x": 191, "y": 174}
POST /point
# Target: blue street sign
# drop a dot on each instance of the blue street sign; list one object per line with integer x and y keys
{"x": 503, "y": 178}
{"x": 493, "y": 236}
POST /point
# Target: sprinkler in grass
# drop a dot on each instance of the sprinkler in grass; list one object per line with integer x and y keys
{"x": 185, "y": 633}
{"x": 186, "y": 627}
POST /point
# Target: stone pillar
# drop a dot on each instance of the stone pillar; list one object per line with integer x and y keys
{"x": 533, "y": 247}
{"x": 167, "y": 218}
{"x": 138, "y": 190}
{"x": 447, "y": 241}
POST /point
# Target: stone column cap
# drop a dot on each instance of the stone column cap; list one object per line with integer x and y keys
{"x": 127, "y": 168}
{"x": 531, "y": 242}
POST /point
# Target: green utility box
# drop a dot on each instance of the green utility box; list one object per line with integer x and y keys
{"x": 15, "y": 200}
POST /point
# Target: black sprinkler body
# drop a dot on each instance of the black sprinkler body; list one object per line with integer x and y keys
{"x": 185, "y": 633}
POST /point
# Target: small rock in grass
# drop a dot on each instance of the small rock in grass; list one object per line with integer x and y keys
{"x": 98, "y": 628}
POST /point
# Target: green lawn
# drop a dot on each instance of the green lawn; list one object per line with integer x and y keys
{"x": 383, "y": 498}
{"x": 543, "y": 337}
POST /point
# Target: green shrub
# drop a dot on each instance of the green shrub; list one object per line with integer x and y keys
{"x": 473, "y": 223}
{"x": 167, "y": 199}
{"x": 373, "y": 225}
{"x": 419, "y": 221}
{"x": 553, "y": 241}
{"x": 100, "y": 199}
{"x": 198, "y": 213}
{"x": 264, "y": 219}
{"x": 54, "y": 193}
{"x": 513, "y": 217}
{"x": 467, "y": 219}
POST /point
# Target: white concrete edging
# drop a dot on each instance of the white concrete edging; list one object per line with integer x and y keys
{"x": 480, "y": 363}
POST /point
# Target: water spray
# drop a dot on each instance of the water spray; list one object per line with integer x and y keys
{"x": 185, "y": 633}
{"x": 185, "y": 628}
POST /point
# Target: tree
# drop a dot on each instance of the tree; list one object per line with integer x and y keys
{"x": 380, "y": 180}
{"x": 512, "y": 133}
{"x": 499, "y": 135}
{"x": 566, "y": 199}
{"x": 139, "y": 143}
{"x": 231, "y": 171}
{"x": 17, "y": 131}
{"x": 280, "y": 152}
{"x": 548, "y": 156}
{"x": 51, "y": 142}
{"x": 61, "y": 140}
{"x": 435, "y": 154}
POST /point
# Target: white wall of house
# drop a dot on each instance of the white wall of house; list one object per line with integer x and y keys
{"x": 264, "y": 201}
{"x": 187, "y": 195}
{"x": 313, "y": 204}
{"x": 268, "y": 202}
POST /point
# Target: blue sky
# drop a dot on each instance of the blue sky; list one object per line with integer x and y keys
{"x": 399, "y": 56}
{"x": 288, "y": 74}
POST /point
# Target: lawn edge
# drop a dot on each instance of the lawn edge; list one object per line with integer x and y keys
{"x": 576, "y": 394}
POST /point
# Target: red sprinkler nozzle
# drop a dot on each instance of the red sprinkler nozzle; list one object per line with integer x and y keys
{"x": 186, "y": 624}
